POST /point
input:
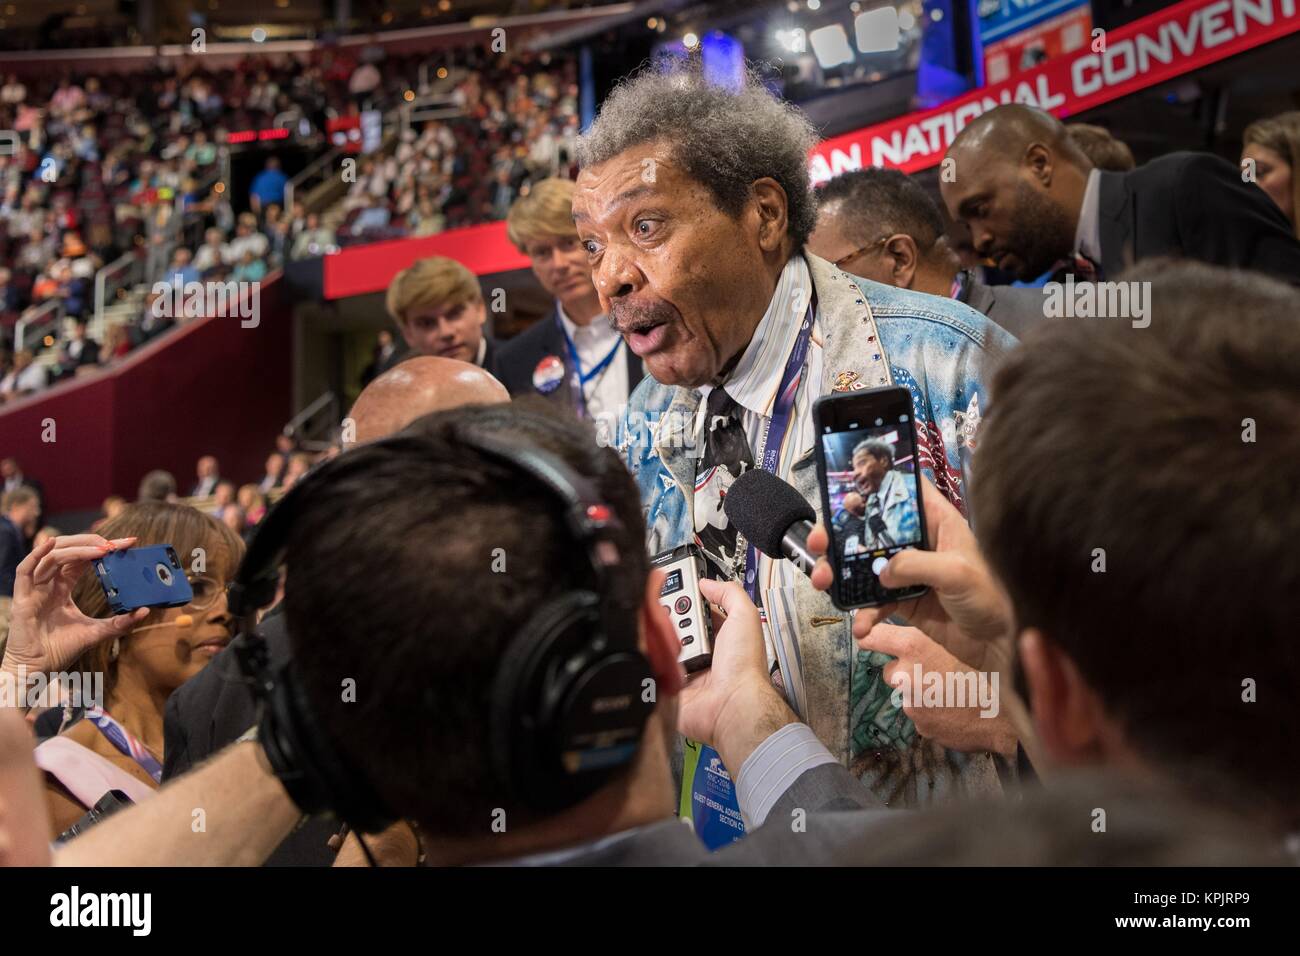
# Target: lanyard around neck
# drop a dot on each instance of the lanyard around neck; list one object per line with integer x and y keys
{"x": 126, "y": 742}
{"x": 580, "y": 394}
{"x": 769, "y": 456}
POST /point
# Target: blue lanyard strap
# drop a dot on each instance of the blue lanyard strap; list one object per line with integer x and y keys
{"x": 774, "y": 434}
{"x": 580, "y": 395}
{"x": 125, "y": 742}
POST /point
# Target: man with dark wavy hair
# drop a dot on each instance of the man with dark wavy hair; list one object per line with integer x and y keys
{"x": 694, "y": 205}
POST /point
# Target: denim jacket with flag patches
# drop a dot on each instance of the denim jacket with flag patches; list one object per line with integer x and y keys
{"x": 944, "y": 352}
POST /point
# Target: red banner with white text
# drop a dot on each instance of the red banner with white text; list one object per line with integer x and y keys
{"x": 1155, "y": 49}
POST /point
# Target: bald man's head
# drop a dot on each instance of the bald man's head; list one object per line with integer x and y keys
{"x": 415, "y": 388}
{"x": 1018, "y": 181}
{"x": 1005, "y": 132}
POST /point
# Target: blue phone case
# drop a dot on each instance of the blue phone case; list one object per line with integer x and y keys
{"x": 143, "y": 577}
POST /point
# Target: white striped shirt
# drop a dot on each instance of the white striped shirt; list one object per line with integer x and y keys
{"x": 754, "y": 384}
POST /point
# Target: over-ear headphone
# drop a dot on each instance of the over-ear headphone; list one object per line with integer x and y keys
{"x": 569, "y": 700}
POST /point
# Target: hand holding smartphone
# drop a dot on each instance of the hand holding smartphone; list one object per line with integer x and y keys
{"x": 871, "y": 494}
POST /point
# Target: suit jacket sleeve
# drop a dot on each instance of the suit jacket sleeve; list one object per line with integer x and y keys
{"x": 1018, "y": 311}
{"x": 11, "y": 553}
{"x": 1223, "y": 220}
{"x": 839, "y": 816}
{"x": 176, "y": 739}
{"x": 821, "y": 789}
{"x": 211, "y": 711}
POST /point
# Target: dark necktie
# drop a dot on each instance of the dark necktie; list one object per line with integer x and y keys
{"x": 726, "y": 456}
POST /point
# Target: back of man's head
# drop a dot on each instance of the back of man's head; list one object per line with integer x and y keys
{"x": 158, "y": 485}
{"x": 1102, "y": 148}
{"x": 412, "y": 574}
{"x": 418, "y": 386}
{"x": 1003, "y": 133}
{"x": 1134, "y": 488}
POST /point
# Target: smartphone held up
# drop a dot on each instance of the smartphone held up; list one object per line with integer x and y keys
{"x": 871, "y": 490}
{"x": 143, "y": 577}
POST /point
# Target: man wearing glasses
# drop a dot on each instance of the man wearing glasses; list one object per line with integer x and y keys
{"x": 882, "y": 225}
{"x": 574, "y": 357}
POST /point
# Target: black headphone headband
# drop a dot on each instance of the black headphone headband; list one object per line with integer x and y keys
{"x": 568, "y": 701}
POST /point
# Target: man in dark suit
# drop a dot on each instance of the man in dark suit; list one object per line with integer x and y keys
{"x": 1034, "y": 202}
{"x": 13, "y": 478}
{"x": 208, "y": 473}
{"x": 18, "y": 512}
{"x": 573, "y": 356}
{"x": 882, "y": 225}
{"x": 438, "y": 306}
{"x": 77, "y": 351}
{"x": 386, "y": 356}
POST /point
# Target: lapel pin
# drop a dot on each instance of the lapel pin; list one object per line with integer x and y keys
{"x": 548, "y": 375}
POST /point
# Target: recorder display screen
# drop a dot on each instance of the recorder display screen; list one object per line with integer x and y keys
{"x": 673, "y": 582}
{"x": 872, "y": 488}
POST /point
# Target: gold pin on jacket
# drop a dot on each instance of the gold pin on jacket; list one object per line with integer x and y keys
{"x": 848, "y": 381}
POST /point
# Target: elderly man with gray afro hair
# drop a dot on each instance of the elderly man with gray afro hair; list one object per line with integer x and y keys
{"x": 693, "y": 204}
{"x": 724, "y": 139}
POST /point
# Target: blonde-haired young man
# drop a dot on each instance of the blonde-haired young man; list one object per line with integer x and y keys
{"x": 573, "y": 356}
{"x": 438, "y": 306}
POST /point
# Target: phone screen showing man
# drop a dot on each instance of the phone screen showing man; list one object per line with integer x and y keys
{"x": 872, "y": 497}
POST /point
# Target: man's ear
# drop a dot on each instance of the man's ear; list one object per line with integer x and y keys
{"x": 902, "y": 250}
{"x": 773, "y": 213}
{"x": 659, "y": 639}
{"x": 1040, "y": 162}
{"x": 1067, "y": 714}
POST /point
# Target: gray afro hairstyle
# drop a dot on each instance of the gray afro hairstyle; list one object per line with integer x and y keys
{"x": 724, "y": 138}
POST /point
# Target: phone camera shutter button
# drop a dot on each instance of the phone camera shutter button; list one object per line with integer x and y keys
{"x": 879, "y": 565}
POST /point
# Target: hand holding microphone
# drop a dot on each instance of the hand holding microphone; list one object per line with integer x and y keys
{"x": 773, "y": 517}
{"x": 965, "y": 610}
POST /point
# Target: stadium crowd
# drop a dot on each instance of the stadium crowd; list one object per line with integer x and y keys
{"x": 111, "y": 165}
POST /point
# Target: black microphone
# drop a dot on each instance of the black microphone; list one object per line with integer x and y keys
{"x": 877, "y": 525}
{"x": 771, "y": 515}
